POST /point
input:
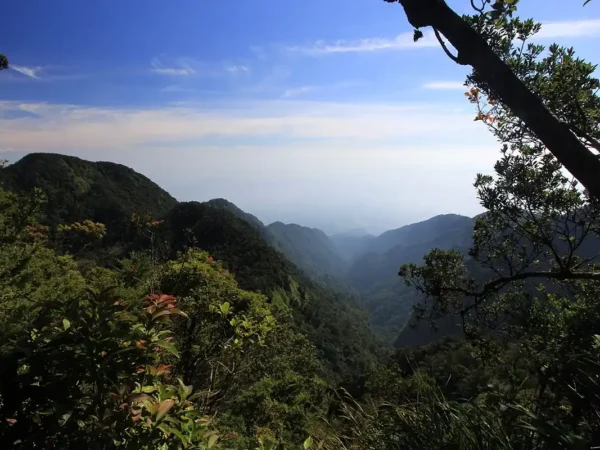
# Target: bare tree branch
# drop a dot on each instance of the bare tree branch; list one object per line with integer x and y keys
{"x": 456, "y": 59}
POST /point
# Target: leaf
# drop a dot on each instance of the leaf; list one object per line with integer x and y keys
{"x": 308, "y": 443}
{"x": 168, "y": 312}
{"x": 212, "y": 440}
{"x": 66, "y": 324}
{"x": 164, "y": 312}
{"x": 176, "y": 432}
{"x": 65, "y": 417}
{"x": 168, "y": 347}
{"x": 225, "y": 307}
{"x": 186, "y": 390}
{"x": 164, "y": 408}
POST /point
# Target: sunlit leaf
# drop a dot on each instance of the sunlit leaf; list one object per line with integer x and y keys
{"x": 164, "y": 408}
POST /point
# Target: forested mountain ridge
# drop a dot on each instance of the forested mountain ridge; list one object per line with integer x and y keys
{"x": 310, "y": 248}
{"x": 110, "y": 193}
{"x": 77, "y": 190}
{"x": 333, "y": 323}
{"x": 374, "y": 274}
{"x": 226, "y": 204}
{"x": 419, "y": 232}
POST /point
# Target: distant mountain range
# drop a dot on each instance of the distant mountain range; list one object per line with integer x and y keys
{"x": 365, "y": 266}
{"x": 353, "y": 265}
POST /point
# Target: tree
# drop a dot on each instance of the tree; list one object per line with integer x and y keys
{"x": 503, "y": 83}
{"x": 3, "y": 62}
{"x": 538, "y": 228}
{"x": 537, "y": 222}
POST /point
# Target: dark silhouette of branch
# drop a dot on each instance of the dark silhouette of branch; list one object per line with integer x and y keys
{"x": 479, "y": 9}
{"x": 456, "y": 59}
{"x": 497, "y": 284}
{"x": 583, "y": 135}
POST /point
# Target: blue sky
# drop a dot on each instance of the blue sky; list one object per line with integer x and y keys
{"x": 318, "y": 112}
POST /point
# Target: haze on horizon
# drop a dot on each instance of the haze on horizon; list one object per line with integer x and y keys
{"x": 298, "y": 112}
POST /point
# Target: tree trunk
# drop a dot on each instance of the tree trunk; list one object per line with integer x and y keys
{"x": 581, "y": 162}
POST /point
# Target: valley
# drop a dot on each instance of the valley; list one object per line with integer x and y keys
{"x": 362, "y": 268}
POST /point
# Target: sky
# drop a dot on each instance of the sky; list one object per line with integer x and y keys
{"x": 318, "y": 112}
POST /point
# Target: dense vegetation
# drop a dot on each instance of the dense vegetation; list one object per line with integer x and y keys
{"x": 129, "y": 320}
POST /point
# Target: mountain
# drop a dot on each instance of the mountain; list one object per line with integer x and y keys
{"x": 420, "y": 232}
{"x": 310, "y": 248}
{"x": 373, "y": 267}
{"x": 335, "y": 324}
{"x": 227, "y": 205}
{"x": 375, "y": 273}
{"x": 273, "y": 259}
{"x": 77, "y": 189}
{"x": 110, "y": 193}
{"x": 350, "y": 245}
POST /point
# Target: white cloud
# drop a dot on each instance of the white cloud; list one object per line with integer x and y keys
{"x": 403, "y": 41}
{"x": 451, "y": 85}
{"x": 327, "y": 88}
{"x": 60, "y": 127}
{"x": 297, "y": 91}
{"x": 178, "y": 88}
{"x": 333, "y": 157}
{"x": 31, "y": 72}
{"x": 182, "y": 68}
{"x": 238, "y": 69}
{"x": 570, "y": 28}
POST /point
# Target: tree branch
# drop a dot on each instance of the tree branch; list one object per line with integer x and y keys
{"x": 583, "y": 135}
{"x": 510, "y": 90}
{"x": 479, "y": 9}
{"x": 456, "y": 59}
{"x": 496, "y": 285}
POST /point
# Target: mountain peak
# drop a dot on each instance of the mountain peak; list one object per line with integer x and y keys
{"x": 225, "y": 204}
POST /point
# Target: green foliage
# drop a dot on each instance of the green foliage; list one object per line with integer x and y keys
{"x": 332, "y": 322}
{"x": 79, "y": 366}
{"x": 425, "y": 419}
{"x": 79, "y": 190}
{"x": 138, "y": 215}
{"x": 89, "y": 358}
{"x": 527, "y": 293}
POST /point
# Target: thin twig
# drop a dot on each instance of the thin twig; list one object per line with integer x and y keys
{"x": 456, "y": 59}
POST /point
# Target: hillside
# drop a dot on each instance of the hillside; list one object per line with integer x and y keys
{"x": 310, "y": 248}
{"x": 227, "y": 205}
{"x": 77, "y": 189}
{"x": 420, "y": 232}
{"x": 375, "y": 275}
{"x": 258, "y": 255}
{"x": 110, "y": 193}
{"x": 337, "y": 327}
{"x": 351, "y": 245}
